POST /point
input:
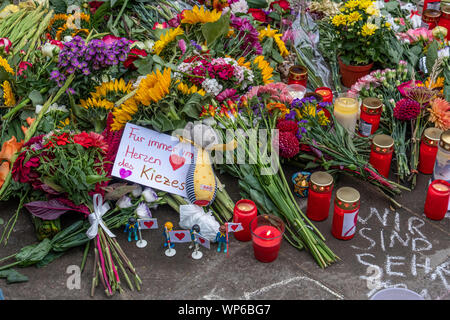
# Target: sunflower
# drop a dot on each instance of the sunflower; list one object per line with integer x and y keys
{"x": 5, "y": 65}
{"x": 241, "y": 62}
{"x": 438, "y": 84}
{"x": 185, "y": 89}
{"x": 124, "y": 114}
{"x": 273, "y": 33}
{"x": 154, "y": 87}
{"x": 265, "y": 69}
{"x": 8, "y": 95}
{"x": 57, "y": 17}
{"x": 200, "y": 15}
{"x": 116, "y": 87}
{"x": 165, "y": 39}
{"x": 97, "y": 103}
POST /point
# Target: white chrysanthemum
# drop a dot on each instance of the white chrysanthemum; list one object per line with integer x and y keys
{"x": 212, "y": 86}
{"x": 239, "y": 7}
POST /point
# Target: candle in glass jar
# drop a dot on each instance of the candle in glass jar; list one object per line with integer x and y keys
{"x": 296, "y": 91}
{"x": 381, "y": 153}
{"x": 345, "y": 215}
{"x": 436, "y": 203}
{"x": 444, "y": 21}
{"x": 244, "y": 211}
{"x": 428, "y": 150}
{"x": 369, "y": 119}
{"x": 346, "y": 112}
{"x": 319, "y": 196}
{"x": 326, "y": 94}
{"x": 298, "y": 75}
{"x": 267, "y": 232}
{"x": 442, "y": 165}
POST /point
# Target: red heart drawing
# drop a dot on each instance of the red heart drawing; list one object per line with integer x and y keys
{"x": 148, "y": 224}
{"x": 179, "y": 235}
{"x": 176, "y": 161}
{"x": 201, "y": 240}
{"x": 234, "y": 227}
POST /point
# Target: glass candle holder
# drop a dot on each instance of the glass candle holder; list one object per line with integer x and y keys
{"x": 244, "y": 211}
{"x": 381, "y": 153}
{"x": 444, "y": 21}
{"x": 428, "y": 150}
{"x": 369, "y": 119}
{"x": 298, "y": 75}
{"x": 297, "y": 91}
{"x": 346, "y": 109}
{"x": 319, "y": 197}
{"x": 436, "y": 203}
{"x": 442, "y": 165}
{"x": 326, "y": 94}
{"x": 431, "y": 17}
{"x": 345, "y": 215}
{"x": 267, "y": 233}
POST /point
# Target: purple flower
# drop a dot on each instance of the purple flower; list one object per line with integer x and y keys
{"x": 196, "y": 45}
{"x": 291, "y": 115}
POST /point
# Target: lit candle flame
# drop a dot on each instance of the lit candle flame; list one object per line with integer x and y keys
{"x": 268, "y": 232}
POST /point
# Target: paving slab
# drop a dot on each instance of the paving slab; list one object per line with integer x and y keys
{"x": 392, "y": 248}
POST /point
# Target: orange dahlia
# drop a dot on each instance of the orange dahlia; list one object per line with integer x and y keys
{"x": 440, "y": 113}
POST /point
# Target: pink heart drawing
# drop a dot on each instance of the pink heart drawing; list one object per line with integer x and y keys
{"x": 176, "y": 161}
{"x": 148, "y": 224}
{"x": 234, "y": 227}
{"x": 179, "y": 235}
{"x": 125, "y": 173}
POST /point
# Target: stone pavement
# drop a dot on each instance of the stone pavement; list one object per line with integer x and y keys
{"x": 391, "y": 248}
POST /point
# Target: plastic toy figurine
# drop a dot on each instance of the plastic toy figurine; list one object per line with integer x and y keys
{"x": 221, "y": 238}
{"x": 168, "y": 226}
{"x": 197, "y": 254}
{"x": 131, "y": 227}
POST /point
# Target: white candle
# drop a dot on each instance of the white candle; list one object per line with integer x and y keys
{"x": 346, "y": 112}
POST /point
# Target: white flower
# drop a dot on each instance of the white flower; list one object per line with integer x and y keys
{"x": 148, "y": 44}
{"x": 53, "y": 107}
{"x": 124, "y": 202}
{"x": 48, "y": 50}
{"x": 239, "y": 7}
{"x": 212, "y": 86}
{"x": 149, "y": 195}
{"x": 137, "y": 190}
{"x": 68, "y": 38}
{"x": 444, "y": 52}
{"x": 143, "y": 211}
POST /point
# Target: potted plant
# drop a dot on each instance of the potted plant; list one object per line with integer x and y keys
{"x": 360, "y": 33}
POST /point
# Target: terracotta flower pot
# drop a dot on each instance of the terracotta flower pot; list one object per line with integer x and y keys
{"x": 351, "y": 74}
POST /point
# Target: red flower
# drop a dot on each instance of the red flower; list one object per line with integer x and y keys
{"x": 5, "y": 43}
{"x": 258, "y": 14}
{"x": 57, "y": 43}
{"x": 110, "y": 39}
{"x": 21, "y": 171}
{"x": 287, "y": 126}
{"x": 133, "y": 56}
{"x": 282, "y": 3}
{"x": 91, "y": 139}
{"x": 62, "y": 139}
{"x": 158, "y": 25}
{"x": 23, "y": 66}
{"x": 94, "y": 5}
{"x": 288, "y": 144}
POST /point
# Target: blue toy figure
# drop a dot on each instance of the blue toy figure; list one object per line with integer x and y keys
{"x": 168, "y": 227}
{"x": 221, "y": 237}
{"x": 131, "y": 227}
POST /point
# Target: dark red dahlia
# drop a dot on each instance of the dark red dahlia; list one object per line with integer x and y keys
{"x": 406, "y": 109}
{"x": 287, "y": 126}
{"x": 288, "y": 144}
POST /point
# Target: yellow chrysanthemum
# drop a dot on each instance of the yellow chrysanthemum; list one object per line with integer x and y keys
{"x": 368, "y": 29}
{"x": 352, "y": 4}
{"x": 339, "y": 20}
{"x": 200, "y": 15}
{"x": 5, "y": 65}
{"x": 373, "y": 11}
{"x": 8, "y": 95}
{"x": 265, "y": 68}
{"x": 154, "y": 87}
{"x": 364, "y": 4}
{"x": 354, "y": 17}
{"x": 165, "y": 39}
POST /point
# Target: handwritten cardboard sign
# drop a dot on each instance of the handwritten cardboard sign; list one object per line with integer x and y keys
{"x": 153, "y": 159}
{"x": 151, "y": 223}
{"x": 180, "y": 236}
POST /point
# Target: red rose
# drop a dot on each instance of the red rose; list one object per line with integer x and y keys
{"x": 133, "y": 56}
{"x": 282, "y": 3}
{"x": 258, "y": 14}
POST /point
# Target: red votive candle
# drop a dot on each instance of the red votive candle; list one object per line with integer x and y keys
{"x": 370, "y": 116}
{"x": 436, "y": 203}
{"x": 326, "y": 94}
{"x": 319, "y": 196}
{"x": 381, "y": 153}
{"x": 298, "y": 75}
{"x": 244, "y": 212}
{"x": 267, "y": 233}
{"x": 346, "y": 208}
{"x": 428, "y": 150}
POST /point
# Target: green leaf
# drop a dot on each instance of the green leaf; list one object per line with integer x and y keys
{"x": 50, "y": 257}
{"x": 192, "y": 108}
{"x": 214, "y": 30}
{"x": 276, "y": 56}
{"x": 32, "y": 254}
{"x": 274, "y": 15}
{"x": 432, "y": 55}
{"x": 12, "y": 276}
{"x": 36, "y": 97}
{"x": 144, "y": 66}
{"x": 91, "y": 179}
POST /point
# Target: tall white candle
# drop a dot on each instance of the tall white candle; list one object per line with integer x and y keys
{"x": 346, "y": 112}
